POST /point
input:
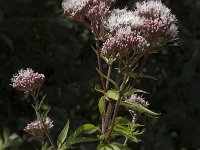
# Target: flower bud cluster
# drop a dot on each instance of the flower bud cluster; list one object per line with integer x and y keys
{"x": 124, "y": 43}
{"x": 139, "y": 100}
{"x": 35, "y": 128}
{"x": 27, "y": 80}
{"x": 96, "y": 15}
{"x": 151, "y": 20}
{"x": 151, "y": 24}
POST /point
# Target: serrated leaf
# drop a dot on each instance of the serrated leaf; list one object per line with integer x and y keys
{"x": 110, "y": 80}
{"x": 139, "y": 108}
{"x": 101, "y": 107}
{"x": 112, "y": 94}
{"x": 63, "y": 135}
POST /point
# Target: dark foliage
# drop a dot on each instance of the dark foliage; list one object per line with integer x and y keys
{"x": 34, "y": 33}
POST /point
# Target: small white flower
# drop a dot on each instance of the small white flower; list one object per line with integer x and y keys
{"x": 35, "y": 128}
{"x": 27, "y": 80}
{"x": 122, "y": 18}
{"x": 74, "y": 8}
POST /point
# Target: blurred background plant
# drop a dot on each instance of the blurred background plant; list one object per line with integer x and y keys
{"x": 34, "y": 34}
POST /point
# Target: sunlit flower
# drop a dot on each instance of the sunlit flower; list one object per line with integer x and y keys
{"x": 75, "y": 8}
{"x": 120, "y": 18}
{"x": 35, "y": 128}
{"x": 159, "y": 22}
{"x": 27, "y": 80}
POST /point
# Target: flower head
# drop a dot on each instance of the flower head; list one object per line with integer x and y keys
{"x": 27, "y": 80}
{"x": 138, "y": 99}
{"x": 120, "y": 18}
{"x": 125, "y": 42}
{"x": 159, "y": 22}
{"x": 35, "y": 128}
{"x": 75, "y": 8}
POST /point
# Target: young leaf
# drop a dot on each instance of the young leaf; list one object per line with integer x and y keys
{"x": 132, "y": 91}
{"x": 86, "y": 129}
{"x": 134, "y": 75}
{"x": 111, "y": 81}
{"x": 113, "y": 94}
{"x": 63, "y": 135}
{"x": 98, "y": 89}
{"x": 101, "y": 107}
{"x": 139, "y": 108}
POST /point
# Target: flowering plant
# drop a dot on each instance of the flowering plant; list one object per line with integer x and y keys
{"x": 124, "y": 40}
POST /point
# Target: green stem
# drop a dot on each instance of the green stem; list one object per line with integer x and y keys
{"x": 109, "y": 109}
{"x": 125, "y": 141}
{"x": 47, "y": 131}
{"x": 38, "y": 113}
{"x": 117, "y": 106}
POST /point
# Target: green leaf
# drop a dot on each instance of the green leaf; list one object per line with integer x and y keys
{"x": 45, "y": 147}
{"x": 41, "y": 102}
{"x": 94, "y": 49}
{"x": 81, "y": 140}
{"x": 111, "y": 81}
{"x": 134, "y": 75}
{"x": 63, "y": 135}
{"x": 112, "y": 146}
{"x": 139, "y": 108}
{"x": 86, "y": 129}
{"x": 132, "y": 91}
{"x": 101, "y": 107}
{"x": 113, "y": 94}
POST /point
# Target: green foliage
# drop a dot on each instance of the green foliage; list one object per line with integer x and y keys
{"x": 139, "y": 108}
{"x": 101, "y": 107}
{"x": 65, "y": 142}
{"x": 34, "y": 34}
{"x": 63, "y": 135}
{"x": 112, "y": 94}
{"x": 112, "y": 146}
{"x": 9, "y": 141}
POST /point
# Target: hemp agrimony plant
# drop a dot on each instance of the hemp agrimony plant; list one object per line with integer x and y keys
{"x": 124, "y": 41}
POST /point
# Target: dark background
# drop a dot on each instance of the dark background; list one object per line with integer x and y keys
{"x": 34, "y": 33}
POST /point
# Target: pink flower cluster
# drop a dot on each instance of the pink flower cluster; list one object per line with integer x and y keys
{"x": 125, "y": 43}
{"x": 35, "y": 128}
{"x": 150, "y": 24}
{"x": 27, "y": 80}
